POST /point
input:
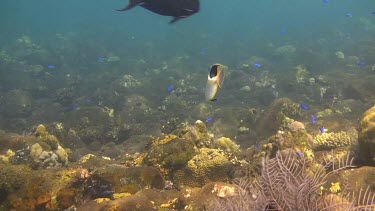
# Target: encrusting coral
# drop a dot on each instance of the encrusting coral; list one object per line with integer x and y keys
{"x": 47, "y": 152}
{"x": 227, "y": 144}
{"x": 366, "y": 137}
{"x": 208, "y": 165}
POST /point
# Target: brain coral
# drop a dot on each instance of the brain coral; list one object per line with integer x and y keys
{"x": 208, "y": 165}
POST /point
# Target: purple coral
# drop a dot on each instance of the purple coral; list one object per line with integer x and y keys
{"x": 286, "y": 184}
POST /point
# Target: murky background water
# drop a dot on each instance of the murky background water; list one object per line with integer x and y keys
{"x": 104, "y": 81}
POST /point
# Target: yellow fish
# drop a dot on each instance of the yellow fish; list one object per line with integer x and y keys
{"x": 214, "y": 82}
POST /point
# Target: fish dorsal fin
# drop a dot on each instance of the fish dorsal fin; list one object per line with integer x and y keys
{"x": 174, "y": 19}
{"x": 132, "y": 3}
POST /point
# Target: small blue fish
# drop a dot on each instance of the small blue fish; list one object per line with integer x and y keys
{"x": 282, "y": 31}
{"x": 349, "y": 15}
{"x": 303, "y": 106}
{"x": 373, "y": 12}
{"x": 257, "y": 145}
{"x": 51, "y": 66}
{"x": 257, "y": 65}
{"x": 321, "y": 129}
{"x": 202, "y": 51}
{"x": 361, "y": 63}
{"x": 70, "y": 107}
{"x": 170, "y": 88}
{"x": 209, "y": 119}
{"x": 89, "y": 102}
{"x": 326, "y": 1}
{"x": 313, "y": 119}
{"x": 299, "y": 154}
{"x": 100, "y": 59}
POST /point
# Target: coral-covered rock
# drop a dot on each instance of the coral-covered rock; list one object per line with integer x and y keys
{"x": 171, "y": 155}
{"x": 210, "y": 192}
{"x": 199, "y": 134}
{"x": 352, "y": 179}
{"x": 11, "y": 141}
{"x": 12, "y": 177}
{"x": 299, "y": 140}
{"x": 17, "y": 104}
{"x": 90, "y": 124}
{"x": 294, "y": 126}
{"x": 209, "y": 165}
{"x": 128, "y": 179}
{"x": 47, "y": 152}
{"x": 366, "y": 137}
{"x": 277, "y": 115}
{"x": 227, "y": 144}
{"x": 143, "y": 200}
{"x": 66, "y": 197}
{"x": 27, "y": 189}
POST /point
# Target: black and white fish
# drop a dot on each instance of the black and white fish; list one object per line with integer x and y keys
{"x": 177, "y": 9}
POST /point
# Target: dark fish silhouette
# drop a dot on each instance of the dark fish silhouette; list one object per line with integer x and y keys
{"x": 178, "y": 9}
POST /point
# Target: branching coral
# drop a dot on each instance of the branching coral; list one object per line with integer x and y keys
{"x": 327, "y": 141}
{"x": 289, "y": 182}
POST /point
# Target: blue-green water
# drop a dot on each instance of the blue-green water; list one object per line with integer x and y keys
{"x": 78, "y": 77}
{"x": 231, "y": 31}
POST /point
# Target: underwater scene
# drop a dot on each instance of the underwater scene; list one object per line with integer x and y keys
{"x": 198, "y": 105}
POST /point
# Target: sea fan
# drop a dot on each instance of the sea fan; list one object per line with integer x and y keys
{"x": 288, "y": 183}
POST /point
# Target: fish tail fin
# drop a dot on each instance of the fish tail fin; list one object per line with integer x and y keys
{"x": 132, "y": 3}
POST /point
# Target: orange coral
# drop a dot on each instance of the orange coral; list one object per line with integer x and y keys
{"x": 43, "y": 199}
{"x": 50, "y": 206}
{"x": 65, "y": 197}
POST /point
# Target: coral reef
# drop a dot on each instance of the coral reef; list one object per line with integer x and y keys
{"x": 123, "y": 179}
{"x": 340, "y": 55}
{"x": 364, "y": 177}
{"x": 168, "y": 155}
{"x": 287, "y": 183}
{"x": 12, "y": 178}
{"x": 66, "y": 197}
{"x": 89, "y": 124}
{"x": 41, "y": 189}
{"x": 128, "y": 81}
{"x": 226, "y": 144}
{"x": 144, "y": 200}
{"x": 198, "y": 134}
{"x": 276, "y": 115}
{"x": 301, "y": 73}
{"x": 17, "y": 104}
{"x": 285, "y": 50}
{"x": 328, "y": 141}
{"x": 47, "y": 152}
{"x": 119, "y": 129}
{"x": 297, "y": 139}
{"x": 207, "y": 166}
{"x": 366, "y": 137}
